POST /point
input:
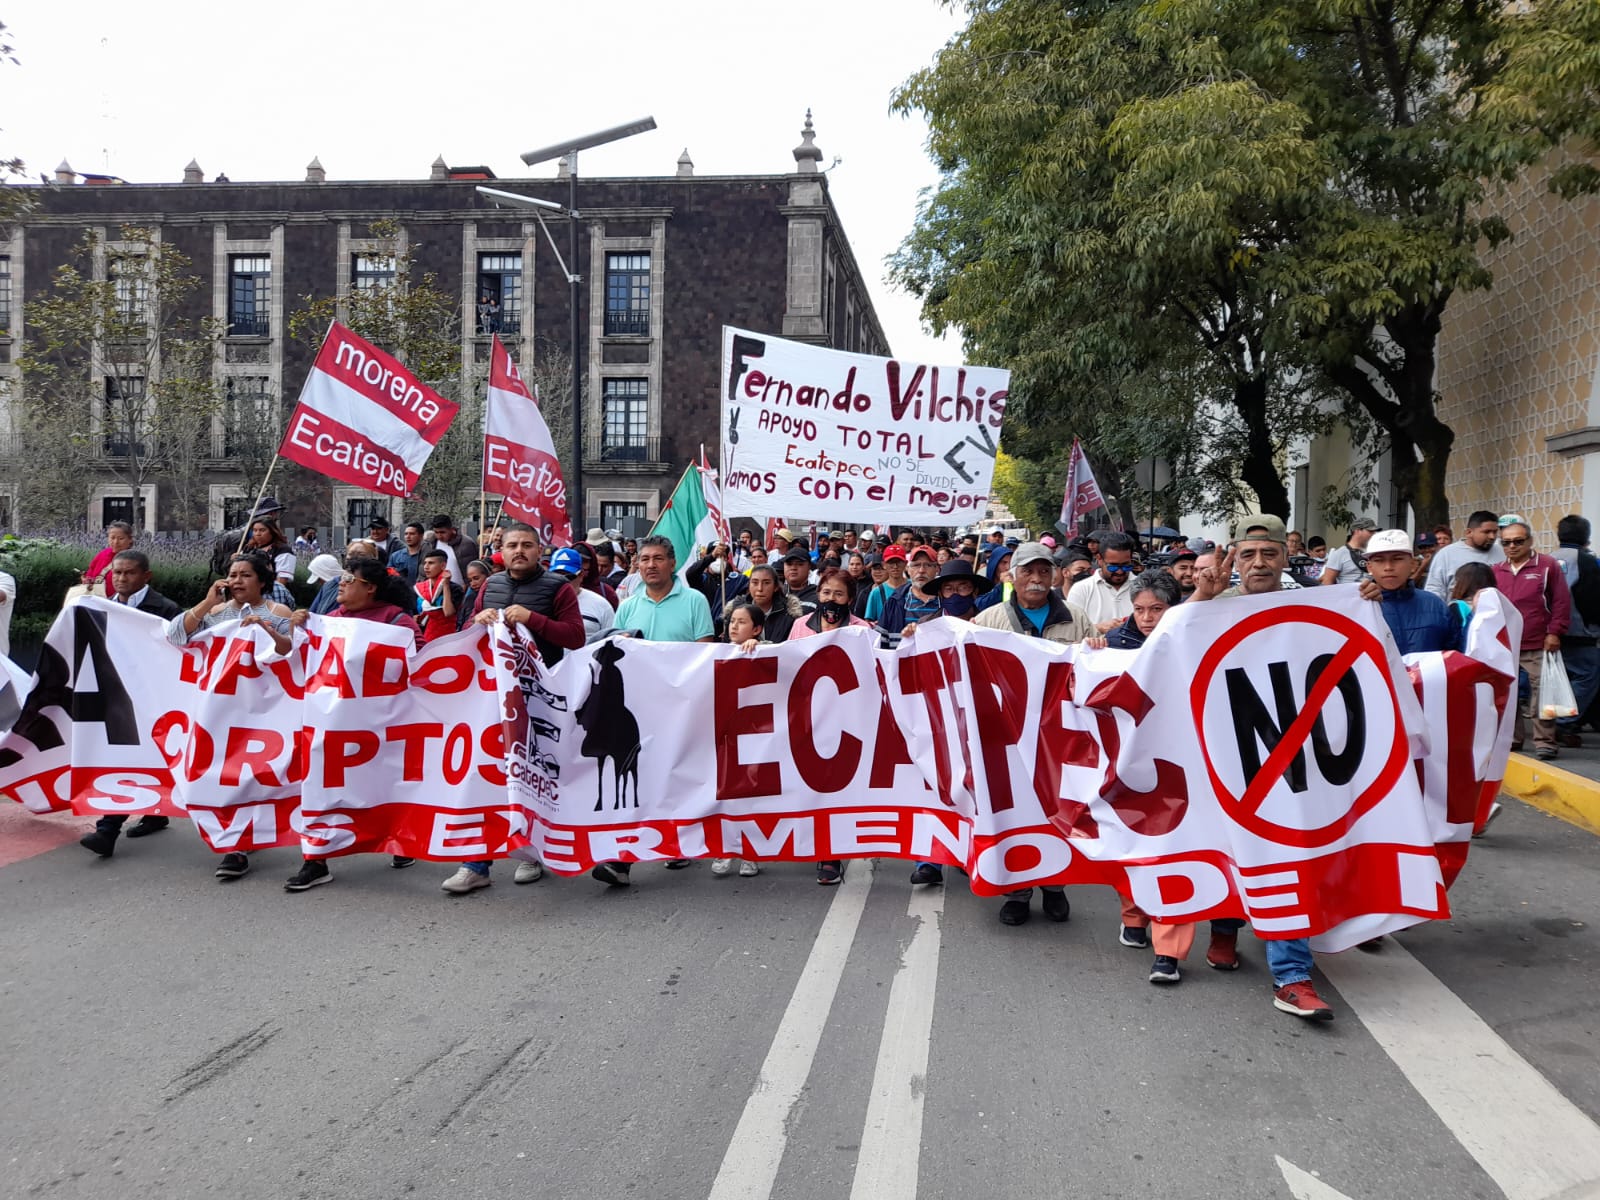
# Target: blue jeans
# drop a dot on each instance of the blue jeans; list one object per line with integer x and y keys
{"x": 1583, "y": 672}
{"x": 1289, "y": 961}
{"x": 481, "y": 868}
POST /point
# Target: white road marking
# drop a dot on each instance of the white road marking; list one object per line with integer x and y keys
{"x": 1529, "y": 1138}
{"x": 1303, "y": 1186}
{"x": 750, "y": 1165}
{"x": 891, "y": 1140}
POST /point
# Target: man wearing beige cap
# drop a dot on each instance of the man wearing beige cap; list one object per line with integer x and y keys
{"x": 1035, "y": 610}
{"x": 1261, "y": 552}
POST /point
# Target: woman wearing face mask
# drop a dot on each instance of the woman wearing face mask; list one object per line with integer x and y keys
{"x": 959, "y": 590}
{"x": 835, "y": 592}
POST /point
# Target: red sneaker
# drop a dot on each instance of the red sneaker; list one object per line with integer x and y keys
{"x": 1302, "y": 1000}
{"x": 1223, "y": 953}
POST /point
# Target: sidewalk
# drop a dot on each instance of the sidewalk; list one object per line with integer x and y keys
{"x": 1568, "y": 787}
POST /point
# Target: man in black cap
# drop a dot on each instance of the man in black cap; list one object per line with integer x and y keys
{"x": 797, "y": 578}
{"x": 378, "y": 534}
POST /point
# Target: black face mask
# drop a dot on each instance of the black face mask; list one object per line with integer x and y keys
{"x": 835, "y": 612}
{"x": 958, "y": 605}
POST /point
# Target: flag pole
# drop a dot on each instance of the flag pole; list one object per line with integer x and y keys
{"x": 250, "y": 516}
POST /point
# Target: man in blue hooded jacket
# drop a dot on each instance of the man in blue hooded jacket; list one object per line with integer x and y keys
{"x": 1420, "y": 622}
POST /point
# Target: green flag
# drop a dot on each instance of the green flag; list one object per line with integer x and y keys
{"x": 687, "y": 519}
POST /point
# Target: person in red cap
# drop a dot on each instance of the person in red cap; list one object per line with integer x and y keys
{"x": 894, "y": 578}
{"x": 916, "y": 601}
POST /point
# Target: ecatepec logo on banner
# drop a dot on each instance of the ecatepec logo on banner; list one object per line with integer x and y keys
{"x": 830, "y": 435}
{"x": 1280, "y": 740}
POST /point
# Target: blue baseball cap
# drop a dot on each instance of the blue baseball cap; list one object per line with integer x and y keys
{"x": 567, "y": 561}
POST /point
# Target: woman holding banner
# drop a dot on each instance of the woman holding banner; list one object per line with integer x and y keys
{"x": 746, "y": 625}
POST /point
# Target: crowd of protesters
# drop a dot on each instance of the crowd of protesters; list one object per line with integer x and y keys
{"x": 1106, "y": 589}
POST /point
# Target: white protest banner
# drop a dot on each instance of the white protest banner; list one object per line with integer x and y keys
{"x": 831, "y": 435}
{"x": 519, "y": 456}
{"x": 1264, "y": 756}
{"x": 364, "y": 419}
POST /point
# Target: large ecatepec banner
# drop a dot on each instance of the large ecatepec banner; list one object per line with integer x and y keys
{"x": 830, "y": 435}
{"x": 1269, "y": 757}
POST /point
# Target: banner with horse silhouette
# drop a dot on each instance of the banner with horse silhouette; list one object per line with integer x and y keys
{"x": 1269, "y": 757}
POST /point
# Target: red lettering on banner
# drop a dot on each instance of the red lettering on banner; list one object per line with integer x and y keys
{"x": 923, "y": 675}
{"x": 331, "y": 674}
{"x": 1159, "y": 810}
{"x": 1062, "y": 747}
{"x": 832, "y": 773}
{"x": 414, "y": 739}
{"x": 199, "y": 658}
{"x": 343, "y": 749}
{"x": 889, "y": 749}
{"x": 999, "y": 706}
{"x": 195, "y": 751}
{"x": 449, "y": 675}
{"x": 239, "y": 663}
{"x": 492, "y": 741}
{"x": 384, "y": 671}
{"x": 457, "y": 754}
{"x": 736, "y": 779}
{"x": 253, "y": 748}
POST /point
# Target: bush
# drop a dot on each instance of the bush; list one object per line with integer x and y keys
{"x": 45, "y": 566}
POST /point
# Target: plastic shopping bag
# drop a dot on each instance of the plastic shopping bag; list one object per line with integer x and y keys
{"x": 1555, "y": 689}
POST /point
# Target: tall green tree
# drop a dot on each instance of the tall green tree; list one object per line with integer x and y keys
{"x": 1274, "y": 199}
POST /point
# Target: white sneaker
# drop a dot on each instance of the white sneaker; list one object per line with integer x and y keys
{"x": 528, "y": 872}
{"x": 721, "y": 866}
{"x": 748, "y": 868}
{"x": 465, "y": 880}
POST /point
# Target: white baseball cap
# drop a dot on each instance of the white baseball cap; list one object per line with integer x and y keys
{"x": 1390, "y": 541}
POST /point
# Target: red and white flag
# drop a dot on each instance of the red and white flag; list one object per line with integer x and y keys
{"x": 364, "y": 419}
{"x": 519, "y": 455}
{"x": 1083, "y": 493}
{"x": 713, "y": 496}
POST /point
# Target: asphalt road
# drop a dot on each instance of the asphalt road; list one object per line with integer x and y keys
{"x": 165, "y": 1035}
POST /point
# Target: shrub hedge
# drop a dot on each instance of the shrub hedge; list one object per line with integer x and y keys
{"x": 46, "y": 566}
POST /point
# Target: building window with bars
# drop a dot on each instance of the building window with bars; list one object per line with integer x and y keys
{"x": 624, "y": 420}
{"x": 499, "y": 294}
{"x": 120, "y": 508}
{"x": 360, "y": 511}
{"x": 249, "y": 295}
{"x": 628, "y": 294}
{"x": 614, "y": 512}
{"x": 130, "y": 290}
{"x": 123, "y": 420}
{"x": 369, "y": 272}
{"x": 5, "y": 295}
{"x": 249, "y": 422}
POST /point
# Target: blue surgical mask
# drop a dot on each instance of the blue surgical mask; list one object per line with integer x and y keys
{"x": 957, "y": 605}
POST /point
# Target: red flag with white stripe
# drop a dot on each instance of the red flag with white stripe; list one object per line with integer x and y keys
{"x": 713, "y": 496}
{"x": 519, "y": 455}
{"x": 364, "y": 419}
{"x": 1083, "y": 493}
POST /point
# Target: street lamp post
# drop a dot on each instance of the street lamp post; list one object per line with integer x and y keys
{"x": 569, "y": 151}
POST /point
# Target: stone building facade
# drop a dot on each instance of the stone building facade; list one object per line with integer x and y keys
{"x": 665, "y": 263}
{"x": 1519, "y": 368}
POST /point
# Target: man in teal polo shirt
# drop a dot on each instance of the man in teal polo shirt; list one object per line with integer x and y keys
{"x": 665, "y": 609}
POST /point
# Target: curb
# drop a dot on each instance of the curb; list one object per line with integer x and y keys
{"x": 1571, "y": 797}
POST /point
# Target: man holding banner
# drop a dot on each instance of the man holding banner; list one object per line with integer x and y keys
{"x": 1262, "y": 554}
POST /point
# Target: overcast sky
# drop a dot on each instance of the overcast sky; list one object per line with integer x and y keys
{"x": 376, "y": 90}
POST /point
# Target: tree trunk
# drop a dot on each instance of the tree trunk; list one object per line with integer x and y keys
{"x": 1421, "y": 443}
{"x": 1259, "y": 470}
